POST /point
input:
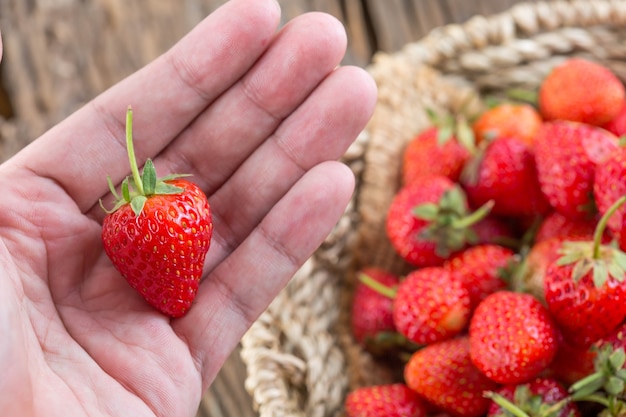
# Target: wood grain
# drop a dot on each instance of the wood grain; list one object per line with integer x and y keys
{"x": 59, "y": 54}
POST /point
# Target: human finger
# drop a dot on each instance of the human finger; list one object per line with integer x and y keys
{"x": 239, "y": 289}
{"x": 321, "y": 129}
{"x": 305, "y": 51}
{"x": 78, "y": 153}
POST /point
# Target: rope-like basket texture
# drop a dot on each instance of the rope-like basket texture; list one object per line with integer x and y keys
{"x": 300, "y": 357}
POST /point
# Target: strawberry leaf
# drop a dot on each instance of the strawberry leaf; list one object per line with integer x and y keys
{"x": 125, "y": 189}
{"x": 173, "y": 177}
{"x": 573, "y": 252}
{"x": 465, "y": 135}
{"x": 137, "y": 203}
{"x": 614, "y": 386}
{"x": 144, "y": 184}
{"x": 617, "y": 359}
{"x": 619, "y": 258}
{"x": 453, "y": 200}
{"x": 600, "y": 273}
{"x": 112, "y": 188}
{"x": 615, "y": 271}
{"x": 164, "y": 188}
{"x": 444, "y": 133}
{"x": 581, "y": 268}
{"x": 426, "y": 211}
{"x": 432, "y": 116}
{"x": 149, "y": 178}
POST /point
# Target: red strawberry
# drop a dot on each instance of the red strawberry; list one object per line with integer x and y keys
{"x": 617, "y": 125}
{"x": 532, "y": 270}
{"x": 617, "y": 338}
{"x": 372, "y": 316}
{"x": 494, "y": 230}
{"x": 428, "y": 220}
{"x": 567, "y": 154}
{"x": 444, "y": 375}
{"x": 572, "y": 363}
{"x": 538, "y": 397}
{"x": 608, "y": 187}
{"x": 552, "y": 232}
{"x": 431, "y": 153}
{"x": 608, "y": 379}
{"x": 505, "y": 173}
{"x": 556, "y": 224}
{"x": 517, "y": 120}
{"x": 389, "y": 400}
{"x": 157, "y": 236}
{"x": 430, "y": 306}
{"x": 481, "y": 269}
{"x": 585, "y": 288}
{"x": 507, "y": 348}
{"x": 582, "y": 91}
{"x": 584, "y": 310}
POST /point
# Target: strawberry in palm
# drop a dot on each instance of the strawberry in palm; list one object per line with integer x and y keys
{"x": 157, "y": 235}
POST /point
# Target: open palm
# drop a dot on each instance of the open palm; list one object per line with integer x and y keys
{"x": 259, "y": 118}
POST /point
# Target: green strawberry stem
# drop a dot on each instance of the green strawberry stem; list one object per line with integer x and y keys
{"x": 547, "y": 411}
{"x": 474, "y": 217}
{"x": 505, "y": 404}
{"x": 522, "y": 95}
{"x": 594, "y": 398}
{"x": 144, "y": 184}
{"x": 448, "y": 222}
{"x": 377, "y": 286}
{"x": 599, "y": 230}
{"x": 607, "y": 383}
{"x": 554, "y": 409}
{"x": 602, "y": 261}
{"x": 131, "y": 152}
{"x": 586, "y": 386}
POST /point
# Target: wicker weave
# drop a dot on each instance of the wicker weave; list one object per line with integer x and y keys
{"x": 300, "y": 357}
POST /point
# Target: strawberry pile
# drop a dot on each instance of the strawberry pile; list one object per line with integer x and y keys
{"x": 513, "y": 229}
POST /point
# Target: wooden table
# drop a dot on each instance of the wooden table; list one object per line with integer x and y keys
{"x": 60, "y": 54}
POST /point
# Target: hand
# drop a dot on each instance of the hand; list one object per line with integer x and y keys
{"x": 259, "y": 117}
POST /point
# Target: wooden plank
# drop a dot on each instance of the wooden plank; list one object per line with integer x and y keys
{"x": 226, "y": 397}
{"x": 391, "y": 24}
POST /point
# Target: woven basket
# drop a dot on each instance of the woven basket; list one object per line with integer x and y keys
{"x": 300, "y": 357}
